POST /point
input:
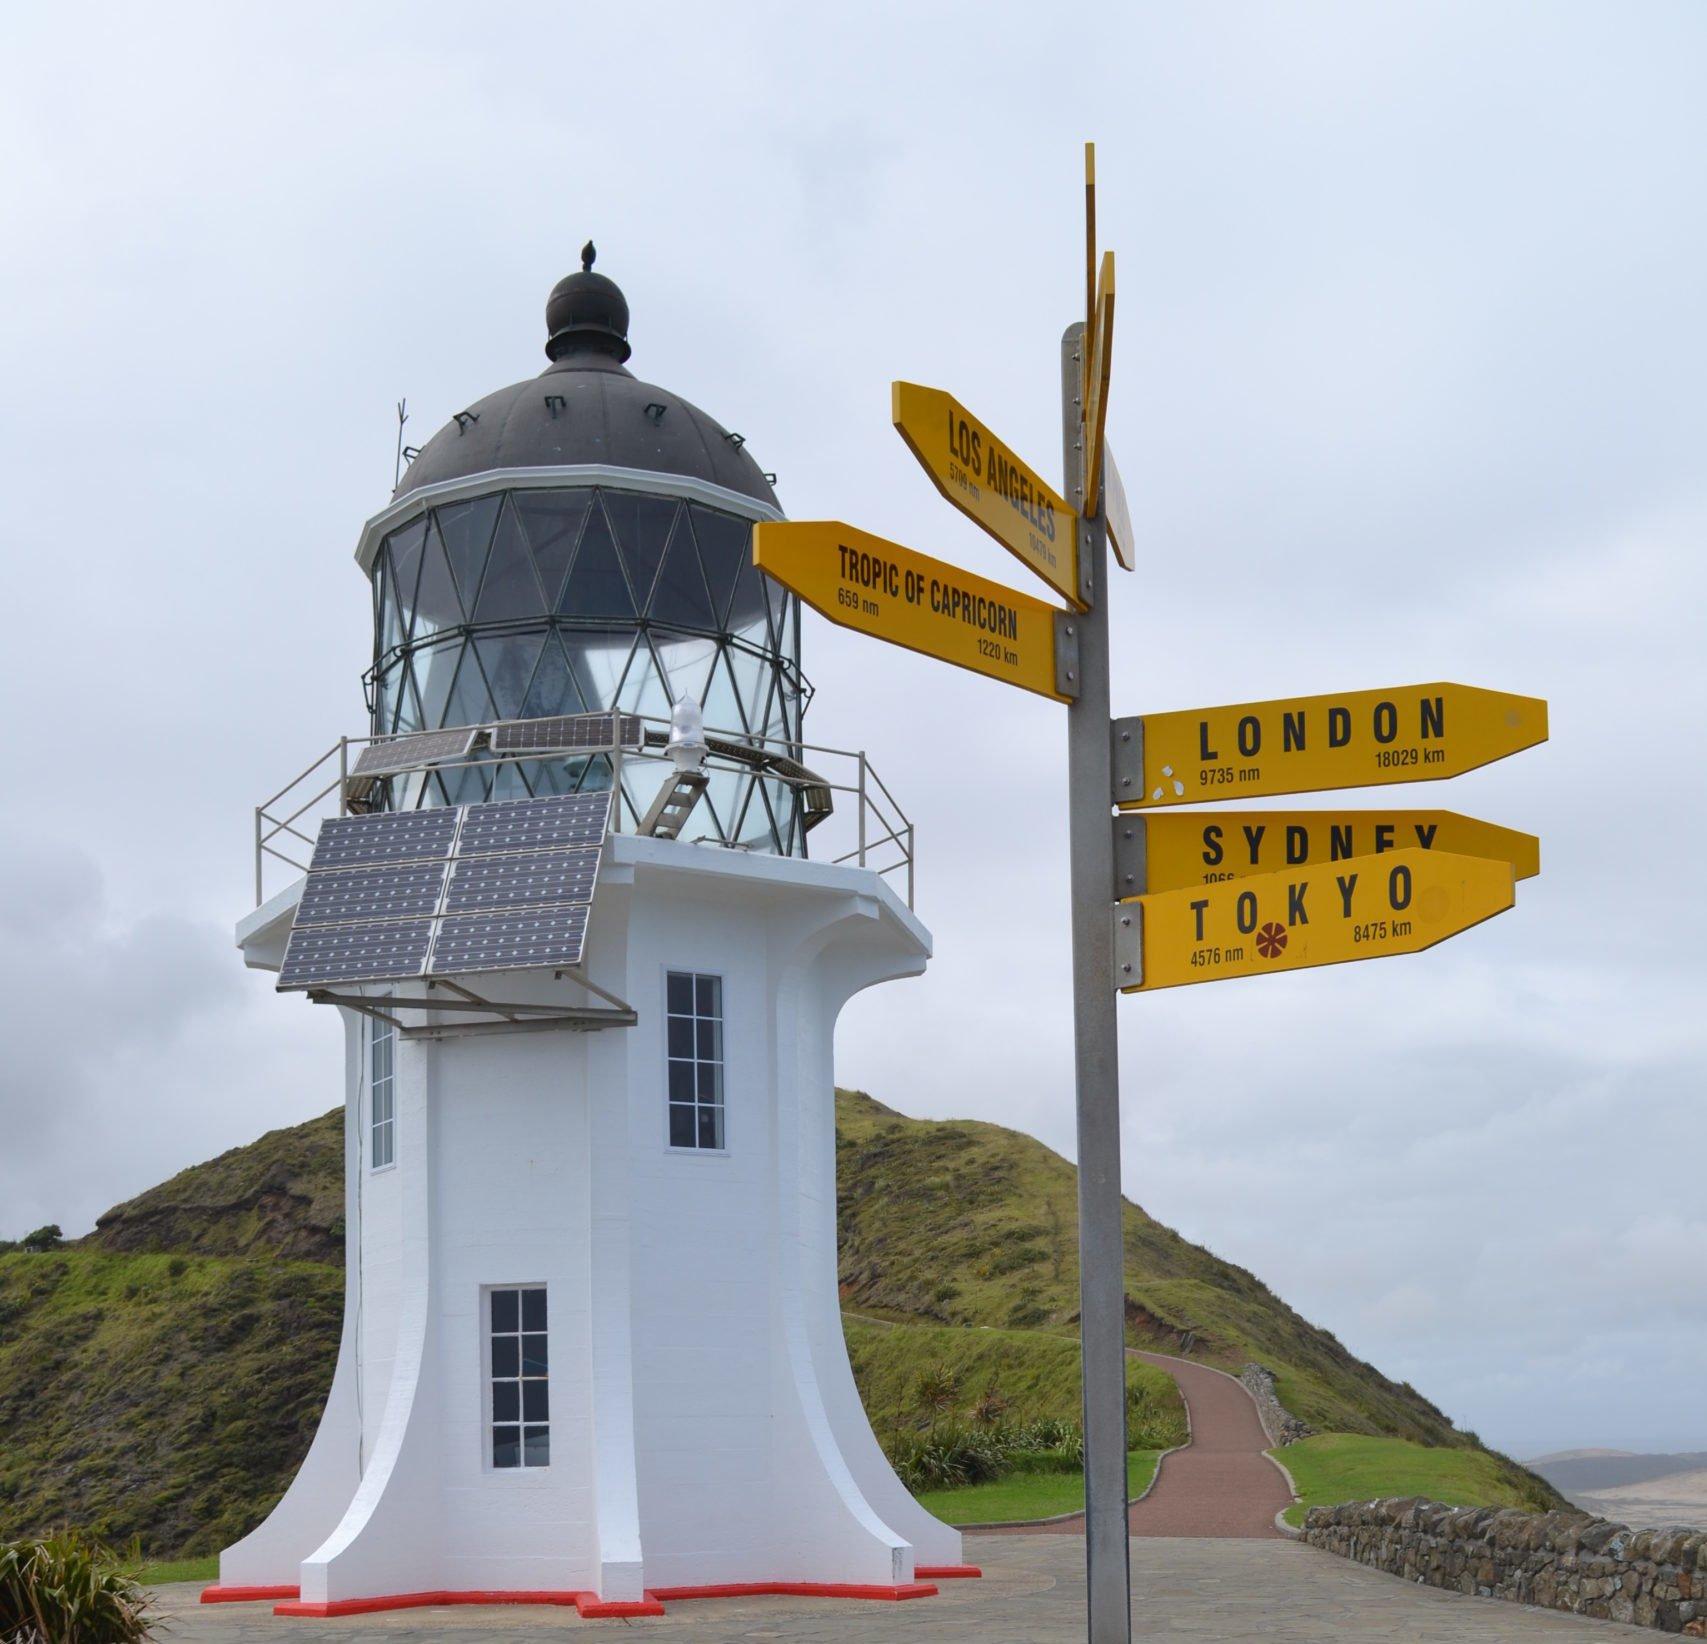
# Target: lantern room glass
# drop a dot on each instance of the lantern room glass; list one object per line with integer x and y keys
{"x": 570, "y": 600}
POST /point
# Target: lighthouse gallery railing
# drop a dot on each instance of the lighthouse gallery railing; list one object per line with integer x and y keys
{"x": 873, "y": 831}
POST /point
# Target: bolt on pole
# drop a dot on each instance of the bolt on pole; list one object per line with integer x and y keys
{"x": 1102, "y": 1246}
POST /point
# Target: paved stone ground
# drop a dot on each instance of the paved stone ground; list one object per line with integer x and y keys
{"x": 1192, "y": 1592}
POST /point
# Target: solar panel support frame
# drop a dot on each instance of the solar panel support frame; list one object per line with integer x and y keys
{"x": 514, "y": 1016}
{"x": 572, "y": 1019}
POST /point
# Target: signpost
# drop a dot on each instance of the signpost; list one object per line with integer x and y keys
{"x": 1364, "y": 908}
{"x": 877, "y": 587}
{"x": 1353, "y": 739}
{"x": 987, "y": 482}
{"x": 1096, "y": 1057}
{"x": 1168, "y": 898}
{"x": 1170, "y": 850}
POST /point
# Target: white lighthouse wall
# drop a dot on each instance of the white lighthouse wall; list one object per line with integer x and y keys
{"x": 741, "y": 1383}
{"x": 378, "y": 1212}
{"x": 840, "y": 974}
{"x": 511, "y": 1163}
{"x": 705, "y": 1427}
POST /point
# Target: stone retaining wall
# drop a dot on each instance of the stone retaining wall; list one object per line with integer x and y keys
{"x": 1278, "y": 1422}
{"x": 1561, "y": 1561}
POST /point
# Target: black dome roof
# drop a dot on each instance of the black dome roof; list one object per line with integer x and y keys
{"x": 585, "y": 407}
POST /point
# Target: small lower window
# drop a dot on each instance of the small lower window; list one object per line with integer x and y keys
{"x": 382, "y": 1093}
{"x": 693, "y": 1024}
{"x": 521, "y": 1386}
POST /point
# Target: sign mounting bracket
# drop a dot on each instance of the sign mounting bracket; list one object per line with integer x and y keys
{"x": 1126, "y": 737}
{"x": 1131, "y": 856}
{"x": 1067, "y": 654}
{"x": 1128, "y": 926}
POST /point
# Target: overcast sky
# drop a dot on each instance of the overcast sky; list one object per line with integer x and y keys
{"x": 1408, "y": 386}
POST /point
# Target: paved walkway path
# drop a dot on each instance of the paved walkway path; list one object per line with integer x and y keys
{"x": 1183, "y": 1592}
{"x": 1221, "y": 1484}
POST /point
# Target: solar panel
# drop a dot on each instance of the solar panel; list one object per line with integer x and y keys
{"x": 388, "y": 836}
{"x": 535, "y": 824}
{"x": 567, "y": 733}
{"x": 448, "y": 890}
{"x": 387, "y": 950}
{"x": 408, "y": 753}
{"x": 409, "y": 891}
{"x": 479, "y": 882}
{"x": 536, "y": 937}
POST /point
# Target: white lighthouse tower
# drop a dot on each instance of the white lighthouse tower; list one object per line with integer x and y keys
{"x": 589, "y": 974}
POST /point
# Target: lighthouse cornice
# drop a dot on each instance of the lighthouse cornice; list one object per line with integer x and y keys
{"x": 648, "y": 480}
{"x": 747, "y": 875}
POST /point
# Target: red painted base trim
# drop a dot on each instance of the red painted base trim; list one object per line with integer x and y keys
{"x": 431, "y": 1600}
{"x": 947, "y": 1572}
{"x": 245, "y": 1595}
{"x": 797, "y": 1589}
{"x": 589, "y": 1605}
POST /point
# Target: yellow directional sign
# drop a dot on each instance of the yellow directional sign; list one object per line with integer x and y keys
{"x": 1365, "y": 908}
{"x": 1099, "y": 357}
{"x": 876, "y": 587}
{"x": 1356, "y": 739}
{"x": 1173, "y": 849}
{"x": 986, "y": 481}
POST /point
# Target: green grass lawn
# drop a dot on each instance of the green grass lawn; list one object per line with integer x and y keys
{"x": 180, "y": 1569}
{"x": 1029, "y": 1495}
{"x": 1335, "y": 1467}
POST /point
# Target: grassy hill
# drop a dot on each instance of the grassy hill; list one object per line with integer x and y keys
{"x": 162, "y": 1378}
{"x": 966, "y": 1223}
{"x": 280, "y": 1196}
{"x": 167, "y": 1398}
{"x": 1037, "y": 1374}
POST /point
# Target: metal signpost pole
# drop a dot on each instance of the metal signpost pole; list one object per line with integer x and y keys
{"x": 1102, "y": 1263}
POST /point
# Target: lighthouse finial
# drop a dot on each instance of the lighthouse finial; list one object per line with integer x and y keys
{"x": 588, "y": 253}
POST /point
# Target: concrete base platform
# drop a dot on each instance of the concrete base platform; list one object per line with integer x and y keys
{"x": 1032, "y": 1592}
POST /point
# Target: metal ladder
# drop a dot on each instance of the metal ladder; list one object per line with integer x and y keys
{"x": 667, "y": 815}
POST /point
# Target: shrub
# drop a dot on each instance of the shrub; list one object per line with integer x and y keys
{"x": 66, "y": 1589}
{"x": 1047, "y": 1435}
{"x": 951, "y": 1456}
{"x": 992, "y": 1405}
{"x": 947, "y": 1458}
{"x": 936, "y": 1392}
{"x": 43, "y": 1239}
{"x": 1151, "y": 1426}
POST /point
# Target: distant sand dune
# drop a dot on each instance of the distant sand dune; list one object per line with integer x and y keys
{"x": 1679, "y": 1498}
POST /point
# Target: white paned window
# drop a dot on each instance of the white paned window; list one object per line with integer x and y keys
{"x": 520, "y": 1378}
{"x": 382, "y": 1094}
{"x": 693, "y": 1025}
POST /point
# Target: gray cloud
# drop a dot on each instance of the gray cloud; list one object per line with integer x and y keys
{"x": 134, "y": 1047}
